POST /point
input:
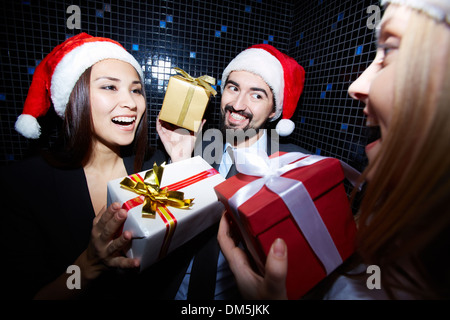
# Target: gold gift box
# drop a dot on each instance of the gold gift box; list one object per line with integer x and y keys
{"x": 186, "y": 100}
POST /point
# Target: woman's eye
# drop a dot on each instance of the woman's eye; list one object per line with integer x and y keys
{"x": 137, "y": 91}
{"x": 109, "y": 87}
{"x": 385, "y": 50}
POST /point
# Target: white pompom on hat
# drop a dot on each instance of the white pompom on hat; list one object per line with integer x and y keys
{"x": 282, "y": 74}
{"x": 56, "y": 76}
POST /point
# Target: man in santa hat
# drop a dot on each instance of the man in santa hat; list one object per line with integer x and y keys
{"x": 260, "y": 85}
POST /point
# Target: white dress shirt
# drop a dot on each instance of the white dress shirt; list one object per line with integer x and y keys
{"x": 224, "y": 279}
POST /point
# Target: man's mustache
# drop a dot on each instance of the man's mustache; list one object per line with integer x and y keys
{"x": 244, "y": 113}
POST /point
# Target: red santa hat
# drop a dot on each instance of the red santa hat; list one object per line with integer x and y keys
{"x": 282, "y": 74}
{"x": 57, "y": 74}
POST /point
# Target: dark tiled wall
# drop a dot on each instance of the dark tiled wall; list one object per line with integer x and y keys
{"x": 329, "y": 38}
{"x": 333, "y": 42}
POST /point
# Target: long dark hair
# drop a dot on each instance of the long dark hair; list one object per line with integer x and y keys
{"x": 75, "y": 143}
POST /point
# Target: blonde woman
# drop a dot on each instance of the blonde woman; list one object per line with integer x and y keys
{"x": 404, "y": 220}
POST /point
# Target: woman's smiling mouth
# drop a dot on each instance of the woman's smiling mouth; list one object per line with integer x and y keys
{"x": 124, "y": 122}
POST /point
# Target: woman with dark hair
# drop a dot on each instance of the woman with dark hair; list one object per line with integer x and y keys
{"x": 59, "y": 218}
{"x": 76, "y": 142}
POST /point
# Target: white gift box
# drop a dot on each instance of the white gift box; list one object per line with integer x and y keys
{"x": 153, "y": 238}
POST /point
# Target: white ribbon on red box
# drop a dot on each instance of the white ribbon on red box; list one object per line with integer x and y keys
{"x": 299, "y": 202}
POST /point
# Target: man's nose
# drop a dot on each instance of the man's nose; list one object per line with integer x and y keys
{"x": 240, "y": 103}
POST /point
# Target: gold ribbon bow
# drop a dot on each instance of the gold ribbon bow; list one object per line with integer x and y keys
{"x": 204, "y": 81}
{"x": 154, "y": 196}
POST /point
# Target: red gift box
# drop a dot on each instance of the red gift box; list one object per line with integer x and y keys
{"x": 265, "y": 217}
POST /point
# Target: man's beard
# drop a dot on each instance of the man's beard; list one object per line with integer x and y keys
{"x": 248, "y": 130}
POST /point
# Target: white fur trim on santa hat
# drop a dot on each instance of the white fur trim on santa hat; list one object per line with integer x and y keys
{"x": 263, "y": 64}
{"x": 436, "y": 9}
{"x": 285, "y": 127}
{"x": 75, "y": 62}
{"x": 28, "y": 126}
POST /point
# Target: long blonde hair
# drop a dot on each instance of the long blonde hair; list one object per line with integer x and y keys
{"x": 405, "y": 212}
